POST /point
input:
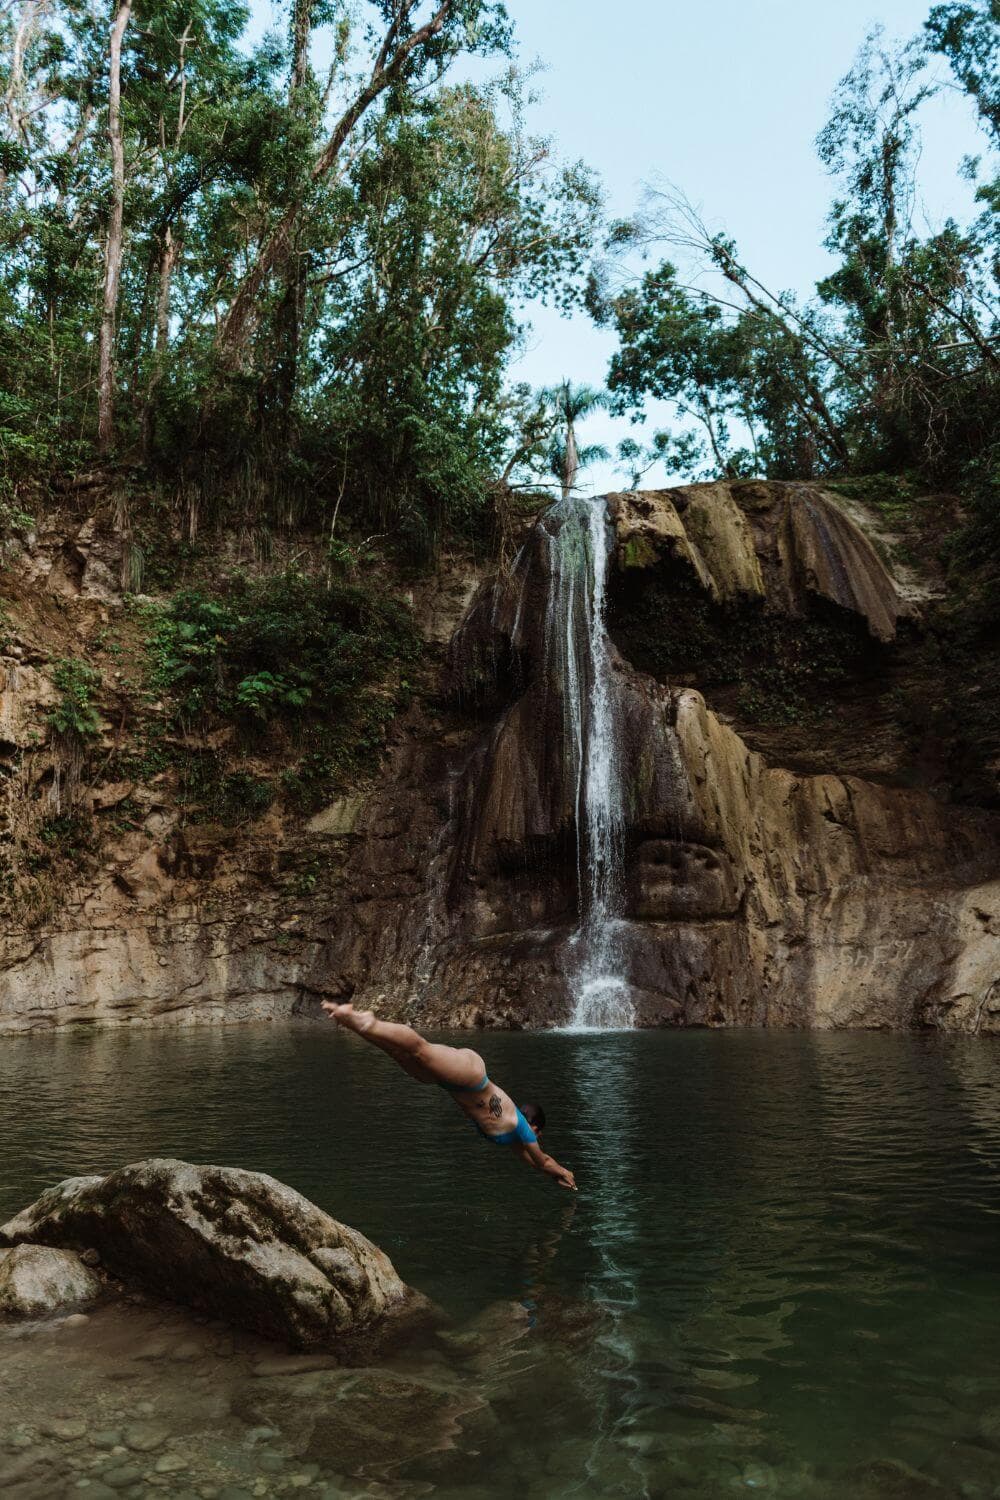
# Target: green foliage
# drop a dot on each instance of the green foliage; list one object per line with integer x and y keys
{"x": 147, "y": 758}
{"x": 217, "y": 795}
{"x": 980, "y": 481}
{"x": 568, "y": 404}
{"x": 75, "y": 717}
{"x": 304, "y": 881}
{"x": 894, "y": 365}
{"x": 264, "y": 693}
{"x": 310, "y": 321}
{"x": 68, "y": 835}
{"x": 13, "y": 518}
{"x": 891, "y": 494}
{"x": 286, "y": 648}
{"x": 967, "y": 33}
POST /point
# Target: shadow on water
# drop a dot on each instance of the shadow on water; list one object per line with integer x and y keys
{"x": 780, "y": 1273}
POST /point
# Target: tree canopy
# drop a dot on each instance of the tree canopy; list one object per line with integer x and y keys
{"x": 271, "y": 294}
{"x": 893, "y": 364}
{"x": 298, "y": 294}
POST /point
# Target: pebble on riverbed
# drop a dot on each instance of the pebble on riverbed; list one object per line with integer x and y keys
{"x": 121, "y": 1476}
{"x": 66, "y": 1429}
{"x": 170, "y": 1463}
{"x": 145, "y": 1437}
{"x": 110, "y": 1438}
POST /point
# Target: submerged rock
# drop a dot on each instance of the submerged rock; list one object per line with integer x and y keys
{"x": 36, "y": 1281}
{"x": 372, "y": 1422}
{"x": 237, "y": 1244}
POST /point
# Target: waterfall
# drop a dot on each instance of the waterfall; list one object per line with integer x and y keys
{"x": 578, "y": 659}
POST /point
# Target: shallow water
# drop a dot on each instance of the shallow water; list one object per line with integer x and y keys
{"x": 780, "y": 1273}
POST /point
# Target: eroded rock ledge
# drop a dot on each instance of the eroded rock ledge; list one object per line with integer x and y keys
{"x": 235, "y": 1244}
{"x": 820, "y": 876}
{"x": 824, "y": 858}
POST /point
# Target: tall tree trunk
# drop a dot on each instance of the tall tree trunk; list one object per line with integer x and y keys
{"x": 113, "y": 254}
{"x": 302, "y": 14}
{"x": 288, "y": 323}
{"x": 237, "y": 325}
{"x": 168, "y": 260}
{"x": 14, "y": 104}
{"x": 833, "y": 433}
{"x": 169, "y": 251}
{"x": 571, "y": 462}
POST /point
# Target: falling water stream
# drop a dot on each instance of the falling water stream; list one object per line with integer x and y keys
{"x": 579, "y": 660}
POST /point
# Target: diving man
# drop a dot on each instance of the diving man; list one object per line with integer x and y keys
{"x": 462, "y": 1073}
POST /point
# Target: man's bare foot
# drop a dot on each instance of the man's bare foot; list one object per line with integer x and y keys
{"x": 345, "y": 1015}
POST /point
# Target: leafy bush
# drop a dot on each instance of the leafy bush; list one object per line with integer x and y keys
{"x": 979, "y": 543}
{"x": 284, "y": 648}
{"x": 228, "y": 797}
{"x": 66, "y": 834}
{"x": 75, "y": 716}
{"x": 12, "y": 517}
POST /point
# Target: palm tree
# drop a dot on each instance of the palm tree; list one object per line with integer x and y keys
{"x": 569, "y": 404}
{"x": 565, "y": 463}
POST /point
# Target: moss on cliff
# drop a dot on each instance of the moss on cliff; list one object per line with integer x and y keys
{"x": 772, "y": 670}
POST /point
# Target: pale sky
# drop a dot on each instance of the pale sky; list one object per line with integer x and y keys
{"x": 724, "y": 99}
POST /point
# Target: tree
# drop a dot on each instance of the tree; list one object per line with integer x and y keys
{"x": 400, "y": 56}
{"x": 968, "y": 35}
{"x": 570, "y": 404}
{"x": 113, "y": 252}
{"x": 733, "y": 371}
{"x": 457, "y": 219}
{"x": 893, "y": 365}
{"x": 363, "y": 383}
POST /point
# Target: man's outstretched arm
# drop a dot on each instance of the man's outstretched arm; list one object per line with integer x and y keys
{"x": 535, "y": 1157}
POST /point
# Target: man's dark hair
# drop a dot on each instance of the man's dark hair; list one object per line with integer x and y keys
{"x": 535, "y": 1116}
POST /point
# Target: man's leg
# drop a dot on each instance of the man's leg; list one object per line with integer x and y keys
{"x": 431, "y": 1062}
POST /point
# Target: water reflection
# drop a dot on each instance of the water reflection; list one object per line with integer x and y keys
{"x": 780, "y": 1271}
{"x": 607, "y": 1121}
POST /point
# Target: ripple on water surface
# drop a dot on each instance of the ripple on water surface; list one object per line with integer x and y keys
{"x": 780, "y": 1272}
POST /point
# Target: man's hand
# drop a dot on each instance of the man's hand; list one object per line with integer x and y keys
{"x": 533, "y": 1156}
{"x": 345, "y": 1015}
{"x": 562, "y": 1175}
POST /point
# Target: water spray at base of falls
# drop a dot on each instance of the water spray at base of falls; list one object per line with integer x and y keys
{"x": 579, "y": 661}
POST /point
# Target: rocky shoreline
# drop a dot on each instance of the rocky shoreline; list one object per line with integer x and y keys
{"x": 235, "y": 1245}
{"x": 107, "y": 1389}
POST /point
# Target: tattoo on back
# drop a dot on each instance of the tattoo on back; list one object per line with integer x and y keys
{"x": 496, "y": 1109}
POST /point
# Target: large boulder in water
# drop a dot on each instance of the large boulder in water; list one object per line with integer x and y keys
{"x": 239, "y": 1245}
{"x": 36, "y": 1281}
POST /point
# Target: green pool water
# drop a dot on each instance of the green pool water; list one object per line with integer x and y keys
{"x": 781, "y": 1273}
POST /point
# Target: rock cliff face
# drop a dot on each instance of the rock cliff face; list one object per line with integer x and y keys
{"x": 803, "y": 844}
